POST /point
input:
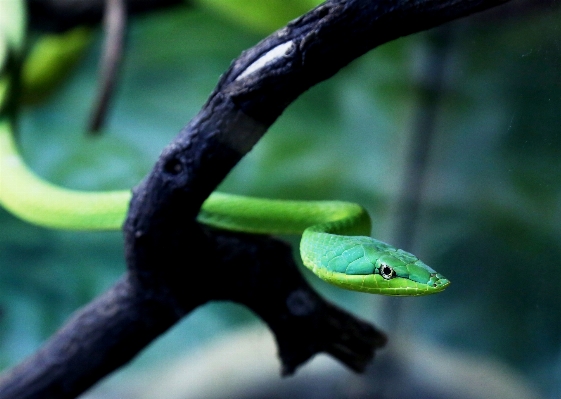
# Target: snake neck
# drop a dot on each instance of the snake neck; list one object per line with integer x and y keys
{"x": 266, "y": 216}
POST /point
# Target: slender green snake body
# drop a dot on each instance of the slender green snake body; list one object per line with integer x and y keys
{"x": 334, "y": 241}
{"x": 335, "y": 244}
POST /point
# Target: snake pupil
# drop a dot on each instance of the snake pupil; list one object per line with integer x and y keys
{"x": 387, "y": 272}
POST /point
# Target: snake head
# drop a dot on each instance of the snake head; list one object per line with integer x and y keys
{"x": 399, "y": 264}
{"x": 365, "y": 264}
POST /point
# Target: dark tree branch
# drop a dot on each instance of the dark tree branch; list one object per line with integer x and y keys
{"x": 267, "y": 281}
{"x": 170, "y": 257}
{"x": 108, "y": 332}
{"x": 122, "y": 320}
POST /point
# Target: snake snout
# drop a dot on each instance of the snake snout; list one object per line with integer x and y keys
{"x": 438, "y": 282}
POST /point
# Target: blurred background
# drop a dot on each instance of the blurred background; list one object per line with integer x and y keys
{"x": 450, "y": 138}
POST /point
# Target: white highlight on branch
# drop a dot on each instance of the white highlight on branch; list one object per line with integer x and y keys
{"x": 269, "y": 57}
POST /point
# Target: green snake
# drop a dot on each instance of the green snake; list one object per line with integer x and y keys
{"x": 335, "y": 245}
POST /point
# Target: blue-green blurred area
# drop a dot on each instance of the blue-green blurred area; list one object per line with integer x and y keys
{"x": 490, "y": 217}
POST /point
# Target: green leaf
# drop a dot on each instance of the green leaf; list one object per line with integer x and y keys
{"x": 50, "y": 62}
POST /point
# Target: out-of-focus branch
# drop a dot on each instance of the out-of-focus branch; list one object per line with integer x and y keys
{"x": 114, "y": 24}
{"x": 61, "y": 15}
{"x": 429, "y": 82}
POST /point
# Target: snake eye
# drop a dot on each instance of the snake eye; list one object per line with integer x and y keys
{"x": 387, "y": 272}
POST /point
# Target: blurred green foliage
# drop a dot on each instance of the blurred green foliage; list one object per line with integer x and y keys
{"x": 491, "y": 213}
{"x": 258, "y": 15}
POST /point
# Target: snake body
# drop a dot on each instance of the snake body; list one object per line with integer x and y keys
{"x": 335, "y": 244}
